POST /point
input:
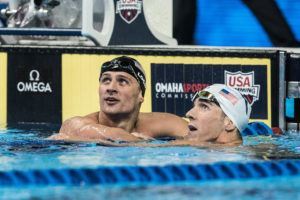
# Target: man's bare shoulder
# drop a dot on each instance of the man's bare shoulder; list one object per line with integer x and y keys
{"x": 162, "y": 124}
{"x": 83, "y": 119}
{"x": 158, "y": 116}
{"x": 87, "y": 128}
{"x": 77, "y": 122}
{"x": 93, "y": 117}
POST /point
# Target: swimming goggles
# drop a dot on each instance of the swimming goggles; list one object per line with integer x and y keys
{"x": 124, "y": 64}
{"x": 205, "y": 95}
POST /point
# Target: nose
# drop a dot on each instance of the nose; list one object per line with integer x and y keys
{"x": 190, "y": 114}
{"x": 112, "y": 87}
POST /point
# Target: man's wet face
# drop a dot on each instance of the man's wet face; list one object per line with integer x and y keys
{"x": 119, "y": 93}
{"x": 206, "y": 121}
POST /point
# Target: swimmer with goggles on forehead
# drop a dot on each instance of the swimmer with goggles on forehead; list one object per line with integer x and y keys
{"x": 122, "y": 87}
{"x": 220, "y": 113}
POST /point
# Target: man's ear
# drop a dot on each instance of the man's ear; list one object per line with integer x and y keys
{"x": 141, "y": 98}
{"x": 229, "y": 125}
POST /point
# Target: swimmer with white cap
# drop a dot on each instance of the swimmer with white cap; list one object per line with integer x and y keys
{"x": 220, "y": 113}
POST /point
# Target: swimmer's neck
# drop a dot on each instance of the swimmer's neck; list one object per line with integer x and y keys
{"x": 229, "y": 137}
{"x": 126, "y": 121}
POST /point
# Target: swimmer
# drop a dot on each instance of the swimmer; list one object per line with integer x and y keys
{"x": 219, "y": 115}
{"x": 121, "y": 93}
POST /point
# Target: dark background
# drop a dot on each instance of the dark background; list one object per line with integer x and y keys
{"x": 263, "y": 23}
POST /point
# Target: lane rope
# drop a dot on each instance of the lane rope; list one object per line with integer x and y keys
{"x": 150, "y": 174}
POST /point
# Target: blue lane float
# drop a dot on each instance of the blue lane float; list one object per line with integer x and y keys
{"x": 149, "y": 174}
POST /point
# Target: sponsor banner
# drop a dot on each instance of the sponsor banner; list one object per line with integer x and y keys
{"x": 173, "y": 85}
{"x": 34, "y": 87}
{"x": 171, "y": 82}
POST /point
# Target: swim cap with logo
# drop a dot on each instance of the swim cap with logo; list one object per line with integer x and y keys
{"x": 233, "y": 104}
{"x": 128, "y": 65}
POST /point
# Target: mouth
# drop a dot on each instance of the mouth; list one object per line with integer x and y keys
{"x": 192, "y": 128}
{"x": 111, "y": 100}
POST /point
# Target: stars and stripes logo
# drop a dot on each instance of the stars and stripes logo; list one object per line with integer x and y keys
{"x": 229, "y": 96}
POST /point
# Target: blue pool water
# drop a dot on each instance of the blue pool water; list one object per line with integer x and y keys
{"x": 26, "y": 148}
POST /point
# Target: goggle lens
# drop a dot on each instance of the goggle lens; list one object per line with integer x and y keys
{"x": 205, "y": 95}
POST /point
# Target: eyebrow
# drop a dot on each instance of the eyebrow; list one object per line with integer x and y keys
{"x": 105, "y": 74}
{"x": 122, "y": 76}
{"x": 118, "y": 75}
{"x": 206, "y": 101}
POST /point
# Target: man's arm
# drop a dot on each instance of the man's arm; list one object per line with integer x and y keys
{"x": 150, "y": 125}
{"x": 86, "y": 129}
{"x": 158, "y": 124}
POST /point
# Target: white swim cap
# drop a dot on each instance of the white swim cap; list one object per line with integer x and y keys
{"x": 233, "y": 104}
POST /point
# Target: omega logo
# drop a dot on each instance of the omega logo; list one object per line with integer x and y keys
{"x": 34, "y": 84}
{"x": 33, "y": 73}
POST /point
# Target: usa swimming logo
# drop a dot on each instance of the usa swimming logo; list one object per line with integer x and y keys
{"x": 244, "y": 83}
{"x": 129, "y": 9}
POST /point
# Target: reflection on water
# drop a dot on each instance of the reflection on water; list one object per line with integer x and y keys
{"x": 278, "y": 147}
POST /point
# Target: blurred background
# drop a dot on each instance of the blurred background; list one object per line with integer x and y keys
{"x": 253, "y": 23}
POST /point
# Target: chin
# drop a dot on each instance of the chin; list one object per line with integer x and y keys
{"x": 111, "y": 110}
{"x": 115, "y": 112}
{"x": 196, "y": 136}
{"x": 192, "y": 136}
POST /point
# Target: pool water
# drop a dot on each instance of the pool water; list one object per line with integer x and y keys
{"x": 26, "y": 148}
{"x": 273, "y": 188}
